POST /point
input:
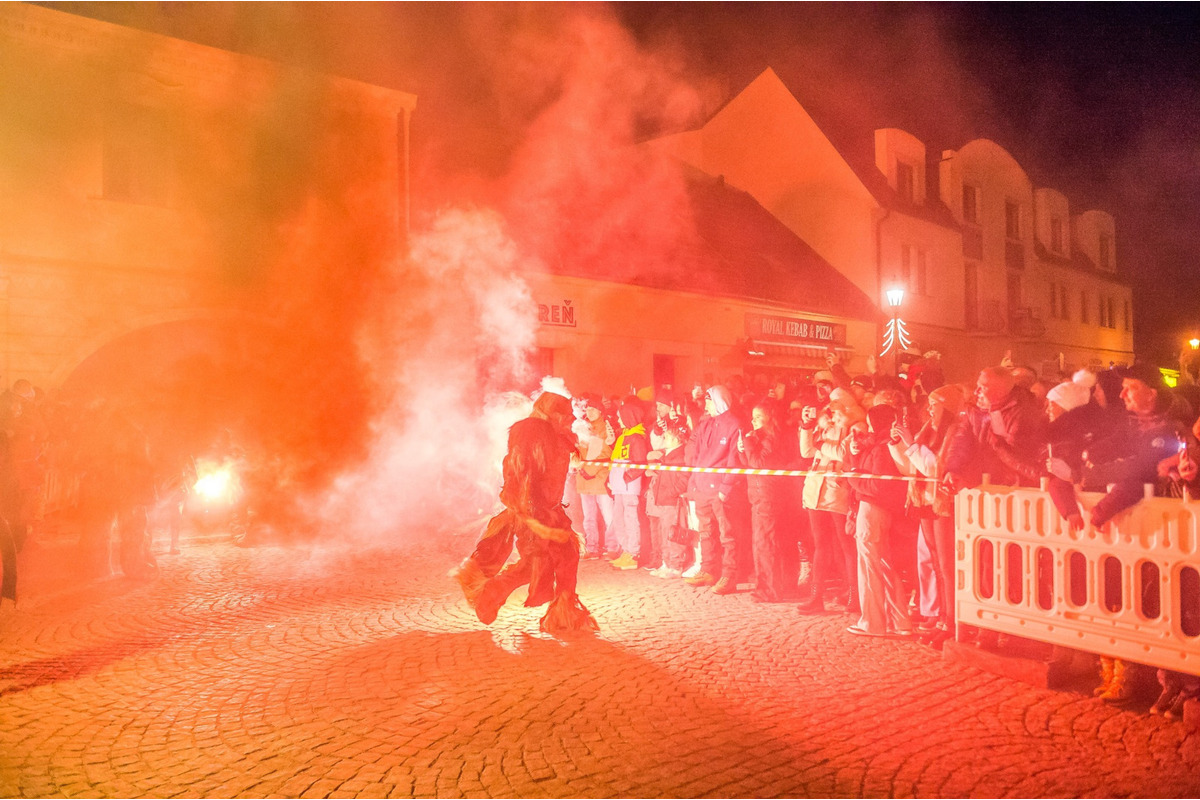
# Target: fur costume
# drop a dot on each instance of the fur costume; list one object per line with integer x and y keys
{"x": 535, "y": 472}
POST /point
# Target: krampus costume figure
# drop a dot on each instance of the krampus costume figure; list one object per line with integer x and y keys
{"x": 535, "y": 472}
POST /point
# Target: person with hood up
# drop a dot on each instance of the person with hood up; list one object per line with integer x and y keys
{"x": 540, "y": 448}
{"x": 627, "y": 483}
{"x": 715, "y": 445}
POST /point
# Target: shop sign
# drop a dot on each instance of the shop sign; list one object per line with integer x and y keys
{"x": 789, "y": 330}
{"x": 561, "y": 315}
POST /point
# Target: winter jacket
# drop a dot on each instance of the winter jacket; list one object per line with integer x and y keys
{"x": 828, "y": 452}
{"x": 715, "y": 443}
{"x": 1006, "y": 443}
{"x": 666, "y": 488}
{"x": 593, "y": 478}
{"x": 631, "y": 446}
{"x": 876, "y": 459}
{"x": 933, "y": 466}
{"x": 1144, "y": 442}
{"x": 765, "y": 449}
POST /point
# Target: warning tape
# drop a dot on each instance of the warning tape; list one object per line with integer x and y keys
{"x": 786, "y": 473}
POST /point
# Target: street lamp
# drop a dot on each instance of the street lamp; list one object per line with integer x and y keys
{"x": 1195, "y": 343}
{"x": 896, "y": 336}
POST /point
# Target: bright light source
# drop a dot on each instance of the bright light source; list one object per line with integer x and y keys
{"x": 895, "y": 296}
{"x": 217, "y": 484}
{"x": 1195, "y": 343}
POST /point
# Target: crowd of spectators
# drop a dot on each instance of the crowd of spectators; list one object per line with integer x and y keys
{"x": 880, "y": 547}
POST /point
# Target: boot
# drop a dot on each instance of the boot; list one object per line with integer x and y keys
{"x": 1106, "y": 676}
{"x": 1120, "y": 689}
{"x": 724, "y": 586}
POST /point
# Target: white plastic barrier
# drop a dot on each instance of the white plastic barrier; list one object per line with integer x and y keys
{"x": 1129, "y": 590}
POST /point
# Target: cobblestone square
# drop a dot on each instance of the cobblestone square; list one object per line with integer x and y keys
{"x": 268, "y": 672}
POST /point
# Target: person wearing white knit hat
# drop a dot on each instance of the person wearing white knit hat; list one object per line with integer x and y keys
{"x": 1066, "y": 396}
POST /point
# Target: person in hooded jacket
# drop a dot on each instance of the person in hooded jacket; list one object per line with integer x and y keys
{"x": 715, "y": 443}
{"x": 627, "y": 483}
{"x": 540, "y": 449}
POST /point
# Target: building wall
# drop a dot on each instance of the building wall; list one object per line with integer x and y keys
{"x": 1015, "y": 311}
{"x": 610, "y": 337}
{"x": 141, "y": 171}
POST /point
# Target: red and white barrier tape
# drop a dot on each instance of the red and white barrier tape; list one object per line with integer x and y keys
{"x": 787, "y": 473}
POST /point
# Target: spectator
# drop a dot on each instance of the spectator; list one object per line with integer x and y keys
{"x": 668, "y": 522}
{"x": 765, "y": 447}
{"x": 626, "y": 483}
{"x": 826, "y": 500}
{"x": 715, "y": 446}
{"x": 595, "y": 439}
{"x": 927, "y": 453}
{"x": 884, "y": 610}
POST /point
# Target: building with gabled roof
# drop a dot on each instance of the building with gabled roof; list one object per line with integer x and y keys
{"x": 1006, "y": 279}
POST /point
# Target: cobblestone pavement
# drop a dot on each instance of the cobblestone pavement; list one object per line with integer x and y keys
{"x": 305, "y": 673}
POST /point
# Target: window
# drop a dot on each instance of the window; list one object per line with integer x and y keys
{"x": 1128, "y": 317}
{"x": 1012, "y": 220}
{"x": 906, "y": 259}
{"x": 1112, "y": 313}
{"x": 1106, "y": 260}
{"x": 1053, "y": 300}
{"x": 1056, "y": 235}
{"x": 1083, "y": 307}
{"x": 138, "y": 159}
{"x": 971, "y": 297}
{"x": 906, "y": 181}
{"x": 1064, "y": 307}
{"x": 922, "y": 274}
{"x": 1014, "y": 293}
{"x": 970, "y": 202}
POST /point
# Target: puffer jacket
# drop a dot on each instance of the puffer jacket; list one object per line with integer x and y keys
{"x": 827, "y": 449}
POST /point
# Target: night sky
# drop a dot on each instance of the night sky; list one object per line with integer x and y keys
{"x": 1099, "y": 101}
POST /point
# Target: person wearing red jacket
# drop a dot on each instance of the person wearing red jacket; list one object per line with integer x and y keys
{"x": 880, "y": 594}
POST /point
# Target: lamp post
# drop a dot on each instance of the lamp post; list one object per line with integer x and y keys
{"x": 895, "y": 297}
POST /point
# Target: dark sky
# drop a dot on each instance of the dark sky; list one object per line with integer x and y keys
{"x": 1099, "y": 101}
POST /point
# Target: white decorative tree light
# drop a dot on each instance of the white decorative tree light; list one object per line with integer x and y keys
{"x": 895, "y": 337}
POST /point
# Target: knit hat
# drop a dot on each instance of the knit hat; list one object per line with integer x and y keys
{"x": 1068, "y": 395}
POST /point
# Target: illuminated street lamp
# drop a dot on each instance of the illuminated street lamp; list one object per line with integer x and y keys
{"x": 1195, "y": 343}
{"x": 895, "y": 338}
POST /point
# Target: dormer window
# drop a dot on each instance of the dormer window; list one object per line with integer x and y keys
{"x": 1012, "y": 220}
{"x": 906, "y": 181}
{"x": 1056, "y": 235}
{"x": 970, "y": 204}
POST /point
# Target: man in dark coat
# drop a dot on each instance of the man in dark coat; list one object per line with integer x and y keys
{"x": 716, "y": 446}
{"x": 535, "y": 471}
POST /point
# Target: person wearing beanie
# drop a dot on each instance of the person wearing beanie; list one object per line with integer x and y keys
{"x": 715, "y": 443}
{"x": 1066, "y": 396}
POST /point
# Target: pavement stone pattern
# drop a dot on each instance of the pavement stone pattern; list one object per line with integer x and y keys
{"x": 303, "y": 672}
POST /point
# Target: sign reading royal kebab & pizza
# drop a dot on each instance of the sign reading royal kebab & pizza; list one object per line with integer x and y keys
{"x": 790, "y": 330}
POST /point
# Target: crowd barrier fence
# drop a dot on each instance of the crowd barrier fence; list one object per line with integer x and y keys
{"x": 1129, "y": 589}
